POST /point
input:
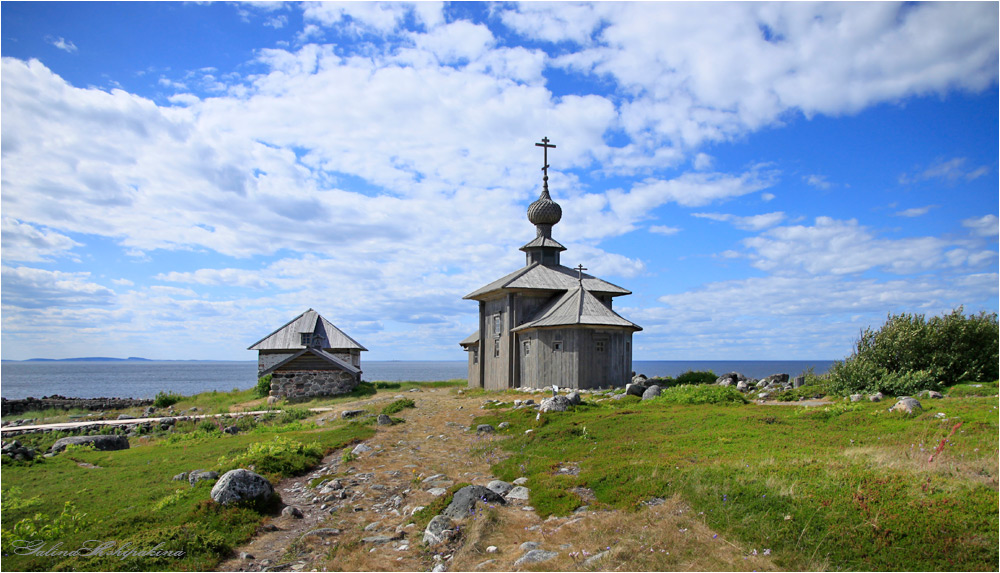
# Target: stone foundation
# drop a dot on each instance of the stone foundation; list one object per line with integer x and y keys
{"x": 302, "y": 384}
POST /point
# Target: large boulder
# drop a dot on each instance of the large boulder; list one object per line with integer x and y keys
{"x": 555, "y": 404}
{"x": 635, "y": 389}
{"x": 201, "y": 475}
{"x": 574, "y": 398}
{"x": 439, "y": 530}
{"x": 651, "y": 392}
{"x": 241, "y": 485}
{"x": 775, "y": 379}
{"x": 907, "y": 405}
{"x": 500, "y": 487}
{"x": 463, "y": 504}
{"x": 103, "y": 443}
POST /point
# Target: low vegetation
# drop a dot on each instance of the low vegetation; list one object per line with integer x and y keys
{"x": 849, "y": 486}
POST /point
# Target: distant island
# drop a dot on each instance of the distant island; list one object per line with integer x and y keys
{"x": 85, "y": 359}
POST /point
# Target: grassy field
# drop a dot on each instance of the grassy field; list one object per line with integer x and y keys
{"x": 843, "y": 487}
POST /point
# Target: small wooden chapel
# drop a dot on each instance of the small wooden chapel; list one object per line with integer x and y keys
{"x": 546, "y": 324}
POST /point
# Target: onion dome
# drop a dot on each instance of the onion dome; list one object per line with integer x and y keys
{"x": 544, "y": 211}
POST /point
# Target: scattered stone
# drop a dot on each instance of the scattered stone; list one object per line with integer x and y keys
{"x": 485, "y": 429}
{"x": 180, "y": 477}
{"x": 434, "y": 478}
{"x": 876, "y": 397}
{"x": 351, "y": 413}
{"x": 201, "y": 475}
{"x": 439, "y": 530}
{"x": 231, "y": 430}
{"x": 437, "y": 491}
{"x": 499, "y": 486}
{"x": 241, "y": 485}
{"x": 246, "y": 556}
{"x": 485, "y": 564}
{"x": 125, "y": 417}
{"x": 384, "y": 420}
{"x": 521, "y": 481}
{"x": 555, "y": 404}
{"x": 633, "y": 390}
{"x": 595, "y": 560}
{"x": 360, "y": 449}
{"x": 503, "y": 425}
{"x": 464, "y": 502}
{"x": 492, "y": 549}
{"x": 519, "y": 492}
{"x": 933, "y": 394}
{"x": 529, "y": 545}
{"x": 322, "y": 532}
{"x": 574, "y": 398}
{"x": 856, "y": 397}
{"x": 536, "y": 556}
{"x": 906, "y": 405}
{"x": 380, "y": 539}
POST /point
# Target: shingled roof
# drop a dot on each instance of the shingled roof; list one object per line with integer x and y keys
{"x": 288, "y": 336}
{"x": 541, "y": 277}
{"x": 333, "y": 360}
{"x": 577, "y": 307}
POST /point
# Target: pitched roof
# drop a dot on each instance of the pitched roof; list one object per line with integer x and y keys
{"x": 288, "y": 336}
{"x": 577, "y": 307}
{"x": 333, "y": 360}
{"x": 542, "y": 241}
{"x": 470, "y": 340}
{"x": 537, "y": 276}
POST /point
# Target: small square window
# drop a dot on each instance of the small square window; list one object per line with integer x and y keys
{"x": 527, "y": 347}
{"x": 557, "y": 345}
{"x": 599, "y": 345}
{"x": 307, "y": 338}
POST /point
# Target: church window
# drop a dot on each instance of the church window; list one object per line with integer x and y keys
{"x": 599, "y": 345}
{"x": 557, "y": 345}
{"x": 496, "y": 348}
{"x": 307, "y": 338}
{"x": 527, "y": 347}
{"x": 475, "y": 356}
{"x": 497, "y": 324}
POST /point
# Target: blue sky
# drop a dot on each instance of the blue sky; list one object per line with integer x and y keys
{"x": 178, "y": 180}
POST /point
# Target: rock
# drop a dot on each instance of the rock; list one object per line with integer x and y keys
{"x": 634, "y": 390}
{"x": 201, "y": 475}
{"x": 555, "y": 404}
{"x": 125, "y": 417}
{"x": 380, "y": 539}
{"x": 100, "y": 442}
{"x": 271, "y": 400}
{"x": 180, "y": 477}
{"x": 595, "y": 560}
{"x": 292, "y": 511}
{"x": 464, "y": 502}
{"x": 499, "y": 486}
{"x": 503, "y": 425}
{"x": 521, "y": 481}
{"x": 492, "y": 549}
{"x": 351, "y": 413}
{"x": 518, "y": 492}
{"x": 651, "y": 392}
{"x": 876, "y": 397}
{"x": 906, "y": 405}
{"x": 799, "y": 382}
{"x": 856, "y": 397}
{"x": 231, "y": 430}
{"x": 639, "y": 379}
{"x": 360, "y": 449}
{"x": 574, "y": 398}
{"x": 932, "y": 394}
{"x": 437, "y": 491}
{"x": 535, "y": 556}
{"x": 246, "y": 556}
{"x": 774, "y": 379}
{"x": 485, "y": 429}
{"x": 322, "y": 532}
{"x": 439, "y": 568}
{"x": 742, "y": 386}
{"x": 435, "y": 533}
{"x": 485, "y": 564}
{"x": 529, "y": 546}
{"x": 383, "y": 420}
{"x": 241, "y": 485}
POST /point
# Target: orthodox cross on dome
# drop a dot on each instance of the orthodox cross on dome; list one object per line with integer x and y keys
{"x": 579, "y": 272}
{"x": 545, "y": 161}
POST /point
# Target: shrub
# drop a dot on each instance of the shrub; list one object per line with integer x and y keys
{"x": 208, "y": 426}
{"x": 693, "y": 377}
{"x": 702, "y": 394}
{"x": 164, "y": 399}
{"x": 263, "y": 388}
{"x": 279, "y": 456}
{"x": 943, "y": 350}
{"x": 398, "y": 406}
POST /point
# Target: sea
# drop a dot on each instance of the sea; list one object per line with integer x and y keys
{"x": 144, "y": 378}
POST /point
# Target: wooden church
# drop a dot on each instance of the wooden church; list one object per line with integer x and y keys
{"x": 546, "y": 324}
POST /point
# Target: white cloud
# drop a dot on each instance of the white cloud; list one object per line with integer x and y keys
{"x": 985, "y": 226}
{"x": 664, "y": 230}
{"x": 949, "y": 170}
{"x": 749, "y": 223}
{"x": 703, "y": 161}
{"x": 818, "y": 181}
{"x": 915, "y": 211}
{"x": 24, "y": 242}
{"x": 845, "y": 247}
{"x": 62, "y": 43}
{"x": 31, "y": 288}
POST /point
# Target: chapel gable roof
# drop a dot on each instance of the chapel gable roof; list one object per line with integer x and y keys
{"x": 470, "y": 340}
{"x": 330, "y": 358}
{"x": 288, "y": 337}
{"x": 577, "y": 307}
{"x": 547, "y": 277}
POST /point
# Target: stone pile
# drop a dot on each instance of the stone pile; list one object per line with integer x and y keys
{"x": 58, "y": 402}
{"x": 16, "y": 451}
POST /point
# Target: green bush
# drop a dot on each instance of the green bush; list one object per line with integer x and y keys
{"x": 398, "y": 406}
{"x": 693, "y": 377}
{"x": 164, "y": 399}
{"x": 263, "y": 388}
{"x": 702, "y": 394}
{"x": 910, "y": 353}
{"x": 280, "y": 456}
{"x": 209, "y": 426}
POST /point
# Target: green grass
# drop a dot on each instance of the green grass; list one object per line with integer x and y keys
{"x": 130, "y": 497}
{"x": 847, "y": 486}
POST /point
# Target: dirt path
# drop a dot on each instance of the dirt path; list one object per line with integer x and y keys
{"x": 361, "y": 523}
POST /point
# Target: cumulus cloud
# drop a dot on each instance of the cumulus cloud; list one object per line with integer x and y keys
{"x": 985, "y": 226}
{"x": 26, "y": 243}
{"x": 749, "y": 223}
{"x": 32, "y": 288}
